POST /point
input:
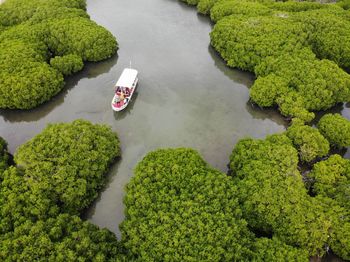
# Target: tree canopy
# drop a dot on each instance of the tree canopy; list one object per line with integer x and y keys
{"x": 309, "y": 141}
{"x": 59, "y": 170}
{"x": 336, "y": 129}
{"x": 4, "y": 156}
{"x": 180, "y": 209}
{"x": 35, "y": 31}
{"x": 272, "y": 194}
{"x": 64, "y": 238}
{"x": 57, "y": 174}
{"x": 296, "y": 50}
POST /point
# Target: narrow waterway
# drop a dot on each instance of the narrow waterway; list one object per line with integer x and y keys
{"x": 186, "y": 96}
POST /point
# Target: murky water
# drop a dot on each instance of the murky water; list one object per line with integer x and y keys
{"x": 186, "y": 96}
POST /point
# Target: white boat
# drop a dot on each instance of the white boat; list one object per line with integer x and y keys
{"x": 124, "y": 89}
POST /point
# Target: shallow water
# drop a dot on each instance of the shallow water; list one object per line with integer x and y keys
{"x": 186, "y": 96}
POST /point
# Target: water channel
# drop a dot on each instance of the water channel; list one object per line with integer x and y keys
{"x": 186, "y": 96}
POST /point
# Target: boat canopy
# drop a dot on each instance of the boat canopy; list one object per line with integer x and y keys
{"x": 127, "y": 78}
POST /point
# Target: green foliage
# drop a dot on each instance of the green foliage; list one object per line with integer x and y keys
{"x": 293, "y": 6}
{"x": 272, "y": 194}
{"x": 309, "y": 141}
{"x": 237, "y": 7}
{"x": 292, "y": 104}
{"x": 332, "y": 179}
{"x": 266, "y": 249}
{"x": 345, "y": 4}
{"x": 266, "y": 90}
{"x": 340, "y": 238}
{"x": 4, "y": 156}
{"x": 336, "y": 129}
{"x": 71, "y": 160}
{"x": 67, "y": 64}
{"x": 191, "y": 2}
{"x": 245, "y": 42}
{"x": 33, "y": 30}
{"x": 14, "y": 12}
{"x": 59, "y": 170}
{"x": 336, "y": 209}
{"x": 320, "y": 83}
{"x": 329, "y": 34}
{"x": 26, "y": 80}
{"x": 179, "y": 209}
{"x": 204, "y": 6}
{"x": 82, "y": 37}
{"x": 23, "y": 198}
{"x": 65, "y": 238}
{"x": 282, "y": 45}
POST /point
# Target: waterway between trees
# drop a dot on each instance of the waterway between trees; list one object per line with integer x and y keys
{"x": 186, "y": 96}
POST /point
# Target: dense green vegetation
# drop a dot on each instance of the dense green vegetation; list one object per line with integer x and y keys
{"x": 180, "y": 209}
{"x": 332, "y": 179}
{"x": 309, "y": 141}
{"x": 296, "y": 50}
{"x": 4, "y": 157}
{"x": 67, "y": 64}
{"x": 273, "y": 196}
{"x": 65, "y": 238}
{"x": 274, "y": 199}
{"x": 60, "y": 170}
{"x": 331, "y": 183}
{"x": 57, "y": 174}
{"x": 40, "y": 41}
{"x": 336, "y": 129}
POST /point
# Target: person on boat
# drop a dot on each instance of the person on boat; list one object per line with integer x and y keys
{"x": 122, "y": 96}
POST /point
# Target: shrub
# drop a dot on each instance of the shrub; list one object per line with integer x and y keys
{"x": 204, "y": 6}
{"x": 309, "y": 141}
{"x": 345, "y": 4}
{"x": 25, "y": 79}
{"x": 320, "y": 83}
{"x": 245, "y": 42}
{"x": 266, "y": 90}
{"x": 64, "y": 238}
{"x": 336, "y": 129}
{"x": 237, "y": 7}
{"x": 282, "y": 46}
{"x": 4, "y": 156}
{"x": 67, "y": 64}
{"x": 81, "y": 37}
{"x": 272, "y": 194}
{"x": 23, "y": 199}
{"x": 293, "y": 6}
{"x": 191, "y": 2}
{"x": 72, "y": 158}
{"x": 179, "y": 209}
{"x": 332, "y": 179}
{"x": 266, "y": 249}
{"x": 18, "y": 11}
{"x": 329, "y": 34}
{"x": 35, "y": 30}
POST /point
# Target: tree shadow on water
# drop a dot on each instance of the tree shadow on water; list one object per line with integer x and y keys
{"x": 90, "y": 70}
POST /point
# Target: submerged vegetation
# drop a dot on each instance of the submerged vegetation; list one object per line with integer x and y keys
{"x": 40, "y": 41}
{"x": 57, "y": 174}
